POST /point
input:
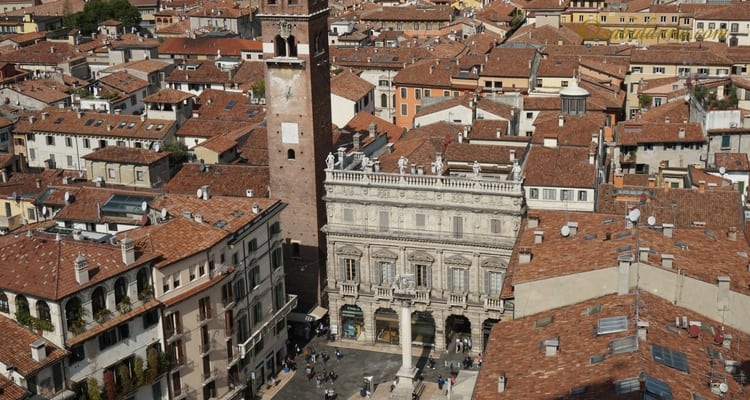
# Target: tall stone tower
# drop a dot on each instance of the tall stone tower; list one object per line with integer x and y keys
{"x": 298, "y": 93}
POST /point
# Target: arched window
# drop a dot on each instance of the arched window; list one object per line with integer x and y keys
{"x": 4, "y": 306}
{"x": 42, "y": 311}
{"x": 73, "y": 311}
{"x": 280, "y": 45}
{"x": 290, "y": 154}
{"x": 98, "y": 300}
{"x": 141, "y": 279}
{"x": 22, "y": 305}
{"x": 383, "y": 100}
{"x": 121, "y": 289}
{"x": 733, "y": 41}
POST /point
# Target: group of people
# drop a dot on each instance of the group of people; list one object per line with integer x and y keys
{"x": 463, "y": 345}
{"x": 446, "y": 384}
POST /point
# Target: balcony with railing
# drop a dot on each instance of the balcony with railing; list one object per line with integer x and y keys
{"x": 349, "y": 289}
{"x": 404, "y": 181}
{"x": 203, "y": 317}
{"x": 173, "y": 333}
{"x": 268, "y": 324}
{"x": 209, "y": 376}
{"x": 383, "y": 292}
{"x": 12, "y": 222}
{"x": 494, "y": 304}
{"x": 205, "y": 348}
{"x": 422, "y": 296}
{"x": 457, "y": 300}
{"x": 181, "y": 392}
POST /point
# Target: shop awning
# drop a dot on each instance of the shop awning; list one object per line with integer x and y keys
{"x": 317, "y": 313}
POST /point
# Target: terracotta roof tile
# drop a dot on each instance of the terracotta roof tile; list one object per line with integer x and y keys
{"x": 89, "y": 201}
{"x": 376, "y": 57}
{"x": 577, "y": 130}
{"x": 506, "y": 62}
{"x": 561, "y": 166}
{"x": 124, "y": 82}
{"x": 350, "y": 86}
{"x": 126, "y": 155}
{"x": 15, "y": 348}
{"x": 634, "y": 133}
{"x": 427, "y": 73}
{"x": 361, "y": 123}
{"x": 43, "y": 53}
{"x": 168, "y": 95}
{"x": 10, "y": 390}
{"x": 208, "y": 46}
{"x": 41, "y": 266}
{"x": 223, "y": 180}
{"x": 227, "y": 106}
{"x": 71, "y": 122}
{"x": 434, "y": 13}
{"x": 676, "y": 111}
{"x": 484, "y": 153}
{"x": 147, "y": 66}
{"x": 732, "y": 161}
{"x": 92, "y": 330}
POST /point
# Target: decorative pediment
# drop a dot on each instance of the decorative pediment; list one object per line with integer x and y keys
{"x": 495, "y": 262}
{"x": 420, "y": 257}
{"x": 349, "y": 251}
{"x": 458, "y": 261}
{"x": 384, "y": 254}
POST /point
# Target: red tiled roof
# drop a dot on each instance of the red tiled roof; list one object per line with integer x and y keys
{"x": 223, "y": 180}
{"x": 350, "y": 86}
{"x": 15, "y": 348}
{"x": 562, "y": 166}
{"x": 126, "y": 155}
{"x": 74, "y": 123}
{"x": 732, "y": 161}
{"x": 168, "y": 96}
{"x": 208, "y": 46}
{"x": 634, "y": 133}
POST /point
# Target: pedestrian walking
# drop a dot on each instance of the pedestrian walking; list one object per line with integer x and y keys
{"x": 479, "y": 360}
{"x": 324, "y": 357}
{"x": 313, "y": 355}
{"x": 458, "y": 345}
{"x": 467, "y": 344}
{"x": 447, "y": 387}
{"x": 338, "y": 355}
{"x": 440, "y": 382}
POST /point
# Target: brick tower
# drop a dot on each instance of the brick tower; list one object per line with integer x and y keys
{"x": 298, "y": 92}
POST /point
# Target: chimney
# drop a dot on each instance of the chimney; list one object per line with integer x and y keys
{"x": 551, "y": 346}
{"x": 722, "y": 299}
{"x": 498, "y": 133}
{"x": 573, "y": 226}
{"x": 32, "y": 119}
{"x": 666, "y": 119}
{"x": 77, "y": 235}
{"x": 81, "y": 269}
{"x": 38, "y": 183}
{"x": 623, "y": 273}
{"x": 45, "y": 115}
{"x": 651, "y": 182}
{"x": 667, "y": 230}
{"x": 357, "y": 141}
{"x": 4, "y": 175}
{"x": 533, "y": 221}
{"x": 732, "y": 233}
{"x": 560, "y": 121}
{"x": 643, "y": 254}
{"x": 592, "y": 157}
{"x": 205, "y": 192}
{"x": 642, "y": 330}
{"x": 413, "y": 169}
{"x": 512, "y": 155}
{"x": 619, "y": 179}
{"x": 376, "y": 165}
{"x": 128, "y": 251}
{"x": 38, "y": 350}
{"x": 681, "y": 133}
{"x": 256, "y": 208}
{"x": 198, "y": 218}
{"x": 667, "y": 260}
{"x": 524, "y": 255}
{"x": 373, "y": 129}
{"x": 666, "y": 186}
{"x": 701, "y": 186}
{"x": 501, "y": 382}
{"x": 538, "y": 237}
{"x": 550, "y": 142}
{"x": 727, "y": 342}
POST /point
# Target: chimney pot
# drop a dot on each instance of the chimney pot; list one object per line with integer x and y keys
{"x": 533, "y": 221}
{"x": 81, "y": 269}
{"x": 357, "y": 140}
{"x": 38, "y": 350}
{"x": 643, "y": 254}
{"x": 667, "y": 260}
{"x": 538, "y": 237}
{"x": 573, "y": 226}
{"x": 681, "y": 133}
{"x": 732, "y": 233}
{"x": 701, "y": 186}
{"x": 524, "y": 255}
{"x": 128, "y": 251}
{"x": 667, "y": 230}
{"x": 501, "y": 382}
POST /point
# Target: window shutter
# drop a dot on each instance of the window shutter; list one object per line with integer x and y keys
{"x": 487, "y": 282}
{"x": 429, "y": 277}
{"x": 357, "y": 271}
{"x": 377, "y": 273}
{"x": 465, "y": 280}
{"x": 391, "y": 273}
{"x": 342, "y": 263}
{"x": 451, "y": 271}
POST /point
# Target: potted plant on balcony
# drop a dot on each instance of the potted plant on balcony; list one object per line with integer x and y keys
{"x": 102, "y": 315}
{"x": 124, "y": 305}
{"x": 43, "y": 325}
{"x": 146, "y": 293}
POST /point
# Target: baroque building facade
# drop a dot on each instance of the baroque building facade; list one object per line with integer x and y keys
{"x": 451, "y": 235}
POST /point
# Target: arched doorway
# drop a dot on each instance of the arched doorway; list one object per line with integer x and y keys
{"x": 386, "y": 326}
{"x": 422, "y": 329}
{"x": 486, "y": 328}
{"x": 456, "y": 327}
{"x": 352, "y": 322}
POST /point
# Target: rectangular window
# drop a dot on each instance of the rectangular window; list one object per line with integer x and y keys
{"x": 383, "y": 226}
{"x": 496, "y": 225}
{"x": 458, "y": 280}
{"x": 403, "y": 92}
{"x": 582, "y": 195}
{"x": 422, "y": 276}
{"x": 458, "y": 227}
{"x": 68, "y": 142}
{"x": 77, "y": 353}
{"x": 446, "y": 93}
{"x": 139, "y": 175}
{"x": 165, "y": 284}
{"x": 699, "y": 25}
{"x": 50, "y": 140}
{"x": 703, "y": 71}
{"x": 734, "y": 28}
{"x": 529, "y": 115}
{"x": 418, "y": 93}
{"x": 674, "y": 19}
{"x": 636, "y": 70}
{"x": 350, "y": 270}
{"x": 204, "y": 308}
{"x": 566, "y": 195}
{"x": 86, "y": 143}
{"x": 348, "y": 215}
{"x": 534, "y": 193}
{"x": 663, "y": 18}
{"x": 564, "y": 84}
{"x": 404, "y": 109}
{"x": 386, "y": 272}
{"x": 646, "y": 19}
{"x": 176, "y": 280}
{"x": 427, "y": 93}
{"x": 277, "y": 259}
{"x": 683, "y": 71}
{"x": 493, "y": 282}
{"x": 549, "y": 194}
{"x": 226, "y": 294}
{"x": 254, "y": 277}
{"x": 726, "y": 141}
{"x": 69, "y": 160}
{"x": 112, "y": 173}
{"x": 257, "y": 313}
{"x": 658, "y": 70}
{"x": 419, "y": 220}
{"x": 102, "y": 143}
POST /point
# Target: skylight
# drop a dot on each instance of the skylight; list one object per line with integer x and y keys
{"x": 669, "y": 357}
{"x": 594, "y": 309}
{"x": 122, "y": 124}
{"x": 656, "y": 389}
{"x": 629, "y": 385}
{"x": 89, "y": 122}
{"x": 59, "y": 120}
{"x": 596, "y": 359}
{"x": 544, "y": 321}
{"x": 230, "y": 105}
{"x": 131, "y": 125}
{"x": 149, "y": 127}
{"x": 590, "y": 237}
{"x": 609, "y": 325}
{"x": 99, "y": 123}
{"x": 159, "y": 127}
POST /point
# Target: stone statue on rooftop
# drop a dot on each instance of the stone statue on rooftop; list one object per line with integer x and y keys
{"x": 403, "y": 162}
{"x": 330, "y": 160}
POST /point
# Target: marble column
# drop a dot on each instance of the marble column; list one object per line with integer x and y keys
{"x": 407, "y": 373}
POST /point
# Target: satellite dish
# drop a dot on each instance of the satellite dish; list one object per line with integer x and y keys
{"x": 199, "y": 193}
{"x": 67, "y": 196}
{"x": 722, "y": 170}
{"x": 565, "y": 230}
{"x": 634, "y": 214}
{"x": 144, "y": 206}
{"x": 44, "y": 210}
{"x": 651, "y": 220}
{"x": 723, "y": 387}
{"x": 163, "y": 213}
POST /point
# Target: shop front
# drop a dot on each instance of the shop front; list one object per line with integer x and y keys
{"x": 386, "y": 325}
{"x": 422, "y": 329}
{"x": 352, "y": 322}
